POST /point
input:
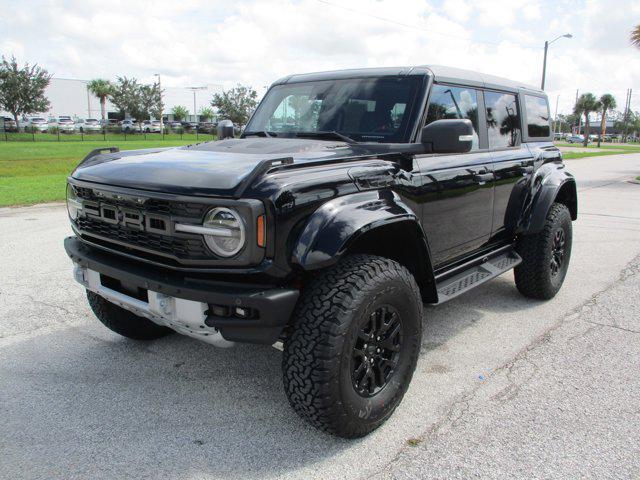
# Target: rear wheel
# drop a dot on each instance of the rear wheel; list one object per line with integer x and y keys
{"x": 545, "y": 256}
{"x": 124, "y": 322}
{"x": 354, "y": 345}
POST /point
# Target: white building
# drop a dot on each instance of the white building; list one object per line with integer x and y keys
{"x": 71, "y": 97}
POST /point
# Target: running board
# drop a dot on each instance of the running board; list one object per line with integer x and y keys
{"x": 451, "y": 287}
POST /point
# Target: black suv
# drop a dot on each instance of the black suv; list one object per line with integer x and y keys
{"x": 351, "y": 198}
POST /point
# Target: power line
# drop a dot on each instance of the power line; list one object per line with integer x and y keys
{"x": 427, "y": 30}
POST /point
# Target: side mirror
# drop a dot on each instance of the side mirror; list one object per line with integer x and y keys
{"x": 449, "y": 136}
{"x": 225, "y": 129}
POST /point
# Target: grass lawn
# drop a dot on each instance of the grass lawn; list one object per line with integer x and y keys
{"x": 36, "y": 172}
{"x": 605, "y": 149}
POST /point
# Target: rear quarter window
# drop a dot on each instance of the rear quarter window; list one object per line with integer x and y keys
{"x": 537, "y": 113}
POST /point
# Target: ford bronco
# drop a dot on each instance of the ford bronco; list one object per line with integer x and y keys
{"x": 350, "y": 200}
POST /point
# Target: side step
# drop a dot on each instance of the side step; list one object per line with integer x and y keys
{"x": 452, "y": 286}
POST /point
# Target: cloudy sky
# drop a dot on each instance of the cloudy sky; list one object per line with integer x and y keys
{"x": 255, "y": 42}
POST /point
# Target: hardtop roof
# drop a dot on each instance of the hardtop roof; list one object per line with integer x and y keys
{"x": 440, "y": 73}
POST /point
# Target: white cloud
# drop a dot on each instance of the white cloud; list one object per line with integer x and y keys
{"x": 216, "y": 42}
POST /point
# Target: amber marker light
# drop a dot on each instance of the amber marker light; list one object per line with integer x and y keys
{"x": 261, "y": 230}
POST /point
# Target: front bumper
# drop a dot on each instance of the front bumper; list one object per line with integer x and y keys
{"x": 184, "y": 303}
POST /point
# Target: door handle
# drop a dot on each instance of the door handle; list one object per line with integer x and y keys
{"x": 483, "y": 178}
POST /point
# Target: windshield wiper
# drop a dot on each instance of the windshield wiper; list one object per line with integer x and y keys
{"x": 326, "y": 134}
{"x": 261, "y": 133}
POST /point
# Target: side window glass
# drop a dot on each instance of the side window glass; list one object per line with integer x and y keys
{"x": 454, "y": 102}
{"x": 537, "y": 116}
{"x": 503, "y": 121}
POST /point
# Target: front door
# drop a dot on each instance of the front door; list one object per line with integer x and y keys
{"x": 457, "y": 190}
{"x": 457, "y": 203}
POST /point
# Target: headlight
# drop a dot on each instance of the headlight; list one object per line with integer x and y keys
{"x": 228, "y": 230}
{"x": 74, "y": 205}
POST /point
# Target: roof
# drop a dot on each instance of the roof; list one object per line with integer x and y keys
{"x": 439, "y": 72}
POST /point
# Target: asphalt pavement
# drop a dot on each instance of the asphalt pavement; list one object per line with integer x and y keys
{"x": 505, "y": 386}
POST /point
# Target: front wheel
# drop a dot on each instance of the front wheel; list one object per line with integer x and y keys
{"x": 354, "y": 345}
{"x": 545, "y": 256}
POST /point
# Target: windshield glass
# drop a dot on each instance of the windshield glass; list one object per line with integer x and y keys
{"x": 364, "y": 109}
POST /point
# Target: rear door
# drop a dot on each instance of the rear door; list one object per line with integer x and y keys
{"x": 457, "y": 190}
{"x": 512, "y": 162}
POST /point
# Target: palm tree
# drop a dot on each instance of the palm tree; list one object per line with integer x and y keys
{"x": 635, "y": 36}
{"x": 607, "y": 102}
{"x": 102, "y": 89}
{"x": 586, "y": 104}
{"x": 206, "y": 114}
{"x": 180, "y": 112}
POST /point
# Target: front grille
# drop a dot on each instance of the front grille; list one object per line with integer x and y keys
{"x": 185, "y": 249}
{"x": 155, "y": 238}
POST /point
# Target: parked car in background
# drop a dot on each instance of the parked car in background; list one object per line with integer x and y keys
{"x": 207, "y": 127}
{"x": 175, "y": 125}
{"x": 88, "y": 125}
{"x": 575, "y": 138}
{"x": 191, "y": 126}
{"x": 8, "y": 124}
{"x": 36, "y": 124}
{"x": 151, "y": 126}
{"x": 66, "y": 125}
{"x": 130, "y": 125}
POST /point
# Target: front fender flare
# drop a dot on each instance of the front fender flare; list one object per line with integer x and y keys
{"x": 338, "y": 223}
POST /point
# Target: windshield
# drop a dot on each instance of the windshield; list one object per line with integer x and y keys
{"x": 364, "y": 109}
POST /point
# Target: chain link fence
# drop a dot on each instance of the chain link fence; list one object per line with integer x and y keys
{"x": 105, "y": 134}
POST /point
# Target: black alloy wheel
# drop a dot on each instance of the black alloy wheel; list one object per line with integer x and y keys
{"x": 376, "y": 351}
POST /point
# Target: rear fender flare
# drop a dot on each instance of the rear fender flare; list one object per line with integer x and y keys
{"x": 556, "y": 185}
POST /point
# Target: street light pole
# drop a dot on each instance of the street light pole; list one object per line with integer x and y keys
{"x": 160, "y": 88}
{"x": 546, "y": 48}
{"x": 194, "y": 98}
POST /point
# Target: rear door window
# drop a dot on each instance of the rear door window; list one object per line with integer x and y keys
{"x": 503, "y": 120}
{"x": 537, "y": 116}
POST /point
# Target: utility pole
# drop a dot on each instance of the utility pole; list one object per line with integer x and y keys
{"x": 627, "y": 107}
{"x": 573, "y": 128}
{"x": 555, "y": 117}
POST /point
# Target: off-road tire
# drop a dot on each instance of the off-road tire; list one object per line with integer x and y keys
{"x": 318, "y": 352}
{"x": 124, "y": 322}
{"x": 534, "y": 277}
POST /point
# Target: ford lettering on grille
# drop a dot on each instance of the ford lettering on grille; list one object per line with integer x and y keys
{"x": 127, "y": 217}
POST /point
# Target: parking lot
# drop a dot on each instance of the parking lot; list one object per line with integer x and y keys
{"x": 505, "y": 386}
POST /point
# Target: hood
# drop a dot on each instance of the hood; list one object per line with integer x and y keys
{"x": 211, "y": 168}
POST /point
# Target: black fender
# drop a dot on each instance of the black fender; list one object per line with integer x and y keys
{"x": 551, "y": 183}
{"x": 374, "y": 222}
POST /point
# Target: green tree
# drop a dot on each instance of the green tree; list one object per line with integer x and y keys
{"x": 150, "y": 101}
{"x": 635, "y": 36}
{"x": 125, "y": 95}
{"x": 180, "y": 112}
{"x": 607, "y": 102}
{"x": 586, "y": 104}
{"x": 102, "y": 89}
{"x": 22, "y": 89}
{"x": 206, "y": 114}
{"x": 236, "y": 104}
